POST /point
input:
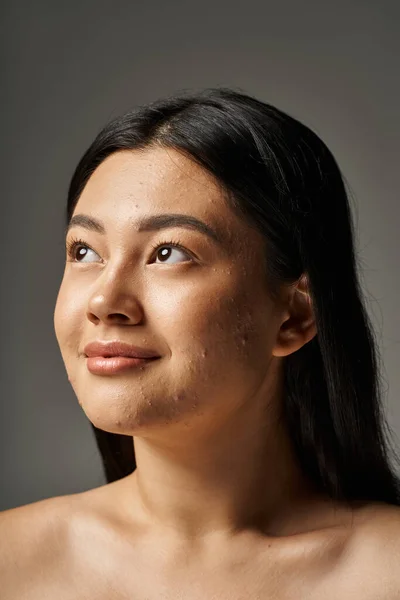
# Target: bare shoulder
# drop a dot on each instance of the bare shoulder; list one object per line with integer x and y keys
{"x": 372, "y": 554}
{"x": 33, "y": 528}
{"x": 377, "y": 527}
{"x": 45, "y": 526}
{"x": 31, "y": 535}
{"x": 48, "y": 547}
{"x": 24, "y": 526}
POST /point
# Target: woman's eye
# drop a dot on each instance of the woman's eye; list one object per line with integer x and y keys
{"x": 169, "y": 253}
{"x": 165, "y": 252}
{"x": 78, "y": 251}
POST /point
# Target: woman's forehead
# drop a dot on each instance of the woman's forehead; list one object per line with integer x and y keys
{"x": 131, "y": 185}
{"x": 160, "y": 175}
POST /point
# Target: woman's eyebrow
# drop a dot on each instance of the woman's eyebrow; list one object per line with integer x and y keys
{"x": 152, "y": 223}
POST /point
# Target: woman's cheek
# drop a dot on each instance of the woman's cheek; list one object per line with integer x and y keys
{"x": 69, "y": 320}
{"x": 215, "y": 323}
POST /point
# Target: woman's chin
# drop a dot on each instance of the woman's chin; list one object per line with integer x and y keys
{"x": 138, "y": 420}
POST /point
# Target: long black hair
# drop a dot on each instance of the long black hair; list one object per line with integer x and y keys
{"x": 284, "y": 180}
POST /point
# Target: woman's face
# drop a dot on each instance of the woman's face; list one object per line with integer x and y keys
{"x": 203, "y": 307}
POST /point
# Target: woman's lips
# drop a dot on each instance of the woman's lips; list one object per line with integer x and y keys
{"x": 98, "y": 365}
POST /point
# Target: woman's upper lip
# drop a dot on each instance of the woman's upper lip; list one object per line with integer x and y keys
{"x": 117, "y": 348}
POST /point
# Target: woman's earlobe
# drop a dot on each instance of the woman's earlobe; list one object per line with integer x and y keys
{"x": 298, "y": 326}
{"x": 293, "y": 335}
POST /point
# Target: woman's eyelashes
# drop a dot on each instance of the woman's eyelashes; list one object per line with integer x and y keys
{"x": 72, "y": 246}
{"x": 167, "y": 252}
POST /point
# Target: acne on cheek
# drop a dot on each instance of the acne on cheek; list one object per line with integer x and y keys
{"x": 241, "y": 317}
{"x": 230, "y": 330}
{"x": 244, "y": 332}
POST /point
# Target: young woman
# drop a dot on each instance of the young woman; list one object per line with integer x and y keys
{"x": 213, "y": 328}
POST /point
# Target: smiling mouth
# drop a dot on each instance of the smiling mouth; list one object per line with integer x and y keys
{"x": 124, "y": 356}
{"x": 109, "y": 365}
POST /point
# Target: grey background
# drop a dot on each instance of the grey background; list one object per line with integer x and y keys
{"x": 67, "y": 68}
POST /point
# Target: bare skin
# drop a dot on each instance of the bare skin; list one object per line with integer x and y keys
{"x": 217, "y": 507}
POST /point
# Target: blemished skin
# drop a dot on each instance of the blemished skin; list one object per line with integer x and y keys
{"x": 218, "y": 506}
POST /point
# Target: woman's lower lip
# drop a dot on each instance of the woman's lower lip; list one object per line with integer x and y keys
{"x": 99, "y": 365}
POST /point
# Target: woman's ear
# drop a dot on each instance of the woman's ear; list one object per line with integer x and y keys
{"x": 298, "y": 323}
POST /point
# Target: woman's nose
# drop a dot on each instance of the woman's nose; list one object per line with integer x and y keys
{"x": 126, "y": 310}
{"x": 114, "y": 303}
